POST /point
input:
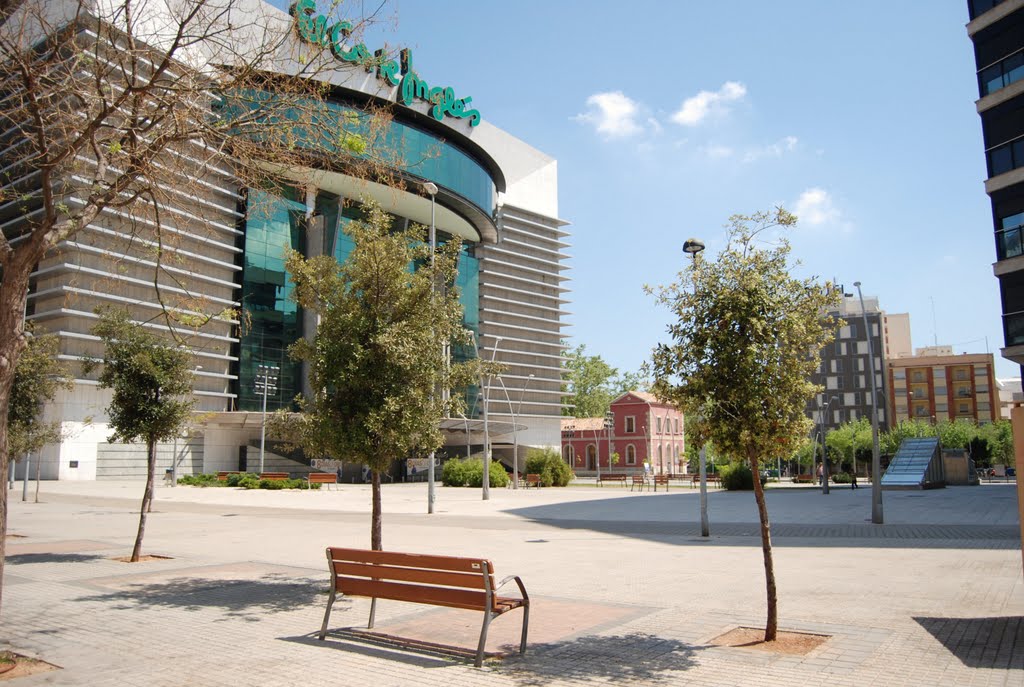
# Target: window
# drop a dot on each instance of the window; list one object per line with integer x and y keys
{"x": 917, "y": 376}
{"x": 839, "y": 382}
{"x": 1001, "y": 74}
{"x": 899, "y": 374}
{"x": 677, "y": 425}
{"x": 1008, "y": 236}
{"x": 839, "y": 365}
{"x": 631, "y": 455}
{"x": 658, "y": 423}
{"x": 963, "y": 408}
{"x": 630, "y": 424}
{"x": 853, "y": 331}
{"x": 1006, "y": 157}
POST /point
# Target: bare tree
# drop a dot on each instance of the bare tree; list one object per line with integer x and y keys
{"x": 120, "y": 122}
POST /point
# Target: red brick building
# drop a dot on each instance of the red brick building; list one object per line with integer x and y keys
{"x": 644, "y": 431}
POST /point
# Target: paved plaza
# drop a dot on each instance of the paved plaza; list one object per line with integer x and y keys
{"x": 624, "y": 589}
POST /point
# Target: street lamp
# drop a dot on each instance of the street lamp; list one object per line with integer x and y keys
{"x": 693, "y": 247}
{"x": 876, "y": 477}
{"x": 515, "y": 429}
{"x": 484, "y": 384}
{"x": 824, "y": 445}
{"x": 174, "y": 454}
{"x": 609, "y": 425}
{"x": 267, "y": 378}
{"x": 432, "y": 190}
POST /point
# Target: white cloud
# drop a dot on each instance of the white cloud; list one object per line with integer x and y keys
{"x": 717, "y": 152}
{"x": 778, "y": 149}
{"x": 814, "y": 207}
{"x": 613, "y": 114}
{"x": 697, "y": 108}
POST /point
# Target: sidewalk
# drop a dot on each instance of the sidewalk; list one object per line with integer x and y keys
{"x": 625, "y": 590}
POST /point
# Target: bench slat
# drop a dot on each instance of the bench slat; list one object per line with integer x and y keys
{"x": 397, "y": 591}
{"x": 322, "y": 477}
{"x": 474, "y": 580}
{"x": 410, "y": 560}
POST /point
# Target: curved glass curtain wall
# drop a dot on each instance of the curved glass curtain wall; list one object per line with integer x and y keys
{"x": 275, "y": 223}
{"x": 401, "y": 145}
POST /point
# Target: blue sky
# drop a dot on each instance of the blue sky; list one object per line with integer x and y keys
{"x": 668, "y": 117}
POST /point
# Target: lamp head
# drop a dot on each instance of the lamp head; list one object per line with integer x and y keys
{"x": 693, "y": 246}
{"x": 857, "y": 284}
{"x": 430, "y": 188}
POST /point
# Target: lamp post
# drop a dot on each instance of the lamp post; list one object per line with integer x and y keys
{"x": 174, "y": 453}
{"x": 693, "y": 247}
{"x": 484, "y": 383}
{"x": 876, "y": 477}
{"x": 267, "y": 378}
{"x": 515, "y": 429}
{"x": 824, "y": 445}
{"x": 609, "y": 425}
{"x": 432, "y": 190}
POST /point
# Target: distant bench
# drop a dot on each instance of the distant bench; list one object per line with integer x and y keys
{"x": 222, "y": 476}
{"x": 804, "y": 478}
{"x": 532, "y": 480}
{"x": 435, "y": 580}
{"x": 661, "y": 479}
{"x": 638, "y": 481}
{"x": 274, "y": 476}
{"x": 695, "y": 479}
{"x": 612, "y": 477}
{"x": 321, "y": 478}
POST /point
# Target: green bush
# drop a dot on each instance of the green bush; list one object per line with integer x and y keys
{"x": 202, "y": 480}
{"x": 842, "y": 478}
{"x": 546, "y": 462}
{"x": 470, "y": 473}
{"x": 737, "y": 477}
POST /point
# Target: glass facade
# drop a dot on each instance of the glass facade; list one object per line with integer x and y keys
{"x": 276, "y": 222}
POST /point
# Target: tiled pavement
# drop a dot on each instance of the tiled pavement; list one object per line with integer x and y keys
{"x": 625, "y": 590}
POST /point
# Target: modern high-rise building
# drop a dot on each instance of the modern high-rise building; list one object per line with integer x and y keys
{"x": 845, "y": 363}
{"x": 997, "y": 29}
{"x": 225, "y": 245}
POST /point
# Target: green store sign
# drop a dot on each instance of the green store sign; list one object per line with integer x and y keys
{"x": 316, "y": 31}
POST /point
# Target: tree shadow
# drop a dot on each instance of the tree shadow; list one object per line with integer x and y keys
{"x": 245, "y": 599}
{"x": 29, "y": 558}
{"x": 365, "y": 643}
{"x": 980, "y": 642}
{"x": 633, "y": 658}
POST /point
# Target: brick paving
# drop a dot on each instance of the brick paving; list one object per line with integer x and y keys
{"x": 626, "y": 591}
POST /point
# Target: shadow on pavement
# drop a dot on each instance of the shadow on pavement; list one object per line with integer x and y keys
{"x": 635, "y": 517}
{"x": 247, "y": 599}
{"x": 29, "y": 558}
{"x": 981, "y": 642}
{"x": 340, "y": 640}
{"x": 635, "y": 658}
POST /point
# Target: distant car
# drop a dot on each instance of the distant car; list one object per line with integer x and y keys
{"x": 1011, "y": 472}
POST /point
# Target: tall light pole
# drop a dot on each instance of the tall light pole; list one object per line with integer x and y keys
{"x": 432, "y": 190}
{"x": 876, "y": 469}
{"x": 693, "y": 247}
{"x": 824, "y": 445}
{"x": 515, "y": 429}
{"x": 609, "y": 426}
{"x": 484, "y": 383}
{"x": 267, "y": 378}
{"x": 174, "y": 453}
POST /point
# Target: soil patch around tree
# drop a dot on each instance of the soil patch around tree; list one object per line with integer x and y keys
{"x": 142, "y": 559}
{"x": 789, "y": 643}
{"x": 14, "y": 665}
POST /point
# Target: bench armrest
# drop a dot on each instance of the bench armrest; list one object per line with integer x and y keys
{"x": 519, "y": 583}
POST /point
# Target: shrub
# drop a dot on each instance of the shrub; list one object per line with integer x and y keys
{"x": 201, "y": 480}
{"x": 546, "y": 462}
{"x": 737, "y": 477}
{"x": 842, "y": 478}
{"x": 470, "y": 473}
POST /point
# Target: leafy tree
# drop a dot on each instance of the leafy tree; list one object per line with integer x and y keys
{"x": 39, "y": 376}
{"x": 152, "y": 383}
{"x": 376, "y": 360}
{"x": 956, "y": 433}
{"x": 744, "y": 342}
{"x": 999, "y": 436}
{"x": 589, "y": 383}
{"x": 848, "y": 441}
{"x": 889, "y": 442}
{"x": 103, "y": 98}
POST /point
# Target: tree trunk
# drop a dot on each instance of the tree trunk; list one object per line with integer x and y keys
{"x": 375, "y": 516}
{"x": 771, "y": 626}
{"x": 13, "y": 292}
{"x": 147, "y": 498}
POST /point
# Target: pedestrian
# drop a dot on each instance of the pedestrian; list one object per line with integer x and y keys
{"x": 853, "y": 480}
{"x": 821, "y": 475}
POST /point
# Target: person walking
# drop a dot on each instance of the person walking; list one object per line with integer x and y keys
{"x": 853, "y": 481}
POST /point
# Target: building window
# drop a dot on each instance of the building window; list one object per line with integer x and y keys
{"x": 1001, "y": 74}
{"x": 677, "y": 425}
{"x": 630, "y": 454}
{"x": 979, "y": 7}
{"x": 1008, "y": 236}
{"x": 1006, "y": 157}
{"x": 658, "y": 422}
{"x": 630, "y": 424}
{"x": 917, "y": 376}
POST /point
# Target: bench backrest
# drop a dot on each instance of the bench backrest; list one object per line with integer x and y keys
{"x": 637, "y": 479}
{"x": 322, "y": 477}
{"x": 661, "y": 479}
{"x": 436, "y": 580}
{"x": 273, "y": 475}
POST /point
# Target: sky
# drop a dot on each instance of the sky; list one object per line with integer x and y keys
{"x": 668, "y": 117}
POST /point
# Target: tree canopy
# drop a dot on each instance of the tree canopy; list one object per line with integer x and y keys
{"x": 40, "y": 374}
{"x": 594, "y": 384}
{"x": 743, "y": 344}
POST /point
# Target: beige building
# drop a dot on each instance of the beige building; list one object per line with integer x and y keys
{"x": 943, "y": 387}
{"x": 896, "y": 333}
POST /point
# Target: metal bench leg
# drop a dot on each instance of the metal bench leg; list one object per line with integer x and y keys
{"x": 526, "y": 627}
{"x": 483, "y": 640}
{"x": 327, "y": 615}
{"x": 373, "y": 612}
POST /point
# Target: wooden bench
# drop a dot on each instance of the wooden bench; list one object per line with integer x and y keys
{"x": 321, "y": 478}
{"x": 435, "y": 580}
{"x": 712, "y": 478}
{"x": 222, "y": 476}
{"x": 532, "y": 480}
{"x": 638, "y": 481}
{"x": 274, "y": 476}
{"x": 661, "y": 479}
{"x": 804, "y": 478}
{"x": 612, "y": 477}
